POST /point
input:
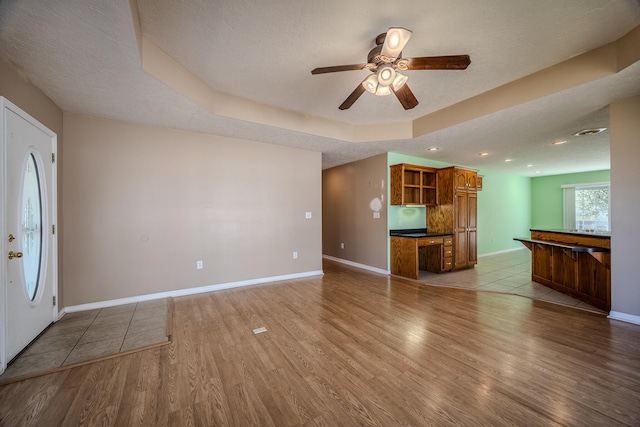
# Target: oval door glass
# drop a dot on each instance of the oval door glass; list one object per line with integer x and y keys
{"x": 31, "y": 227}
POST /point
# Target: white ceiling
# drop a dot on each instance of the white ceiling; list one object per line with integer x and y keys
{"x": 84, "y": 55}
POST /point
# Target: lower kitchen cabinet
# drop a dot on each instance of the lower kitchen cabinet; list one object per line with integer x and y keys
{"x": 409, "y": 255}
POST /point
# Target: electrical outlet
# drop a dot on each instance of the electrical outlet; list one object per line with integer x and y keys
{"x": 259, "y": 330}
{"x": 376, "y": 215}
{"x": 307, "y": 215}
{"x": 295, "y": 255}
{"x": 199, "y": 265}
{"x": 341, "y": 245}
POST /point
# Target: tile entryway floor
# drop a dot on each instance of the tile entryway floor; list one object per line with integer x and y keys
{"x": 87, "y": 335}
{"x": 508, "y": 273}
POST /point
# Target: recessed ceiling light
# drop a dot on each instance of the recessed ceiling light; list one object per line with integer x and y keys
{"x": 560, "y": 142}
{"x": 537, "y": 171}
{"x": 484, "y": 154}
{"x": 591, "y": 131}
{"x": 529, "y": 166}
{"x": 507, "y": 160}
{"x": 432, "y": 149}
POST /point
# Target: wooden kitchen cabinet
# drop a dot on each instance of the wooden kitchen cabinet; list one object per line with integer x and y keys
{"x": 439, "y": 259}
{"x": 409, "y": 255}
{"x": 414, "y": 185}
{"x": 457, "y": 213}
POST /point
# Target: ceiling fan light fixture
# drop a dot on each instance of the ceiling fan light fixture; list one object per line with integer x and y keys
{"x": 386, "y": 75}
{"x": 371, "y": 83}
{"x": 399, "y": 81}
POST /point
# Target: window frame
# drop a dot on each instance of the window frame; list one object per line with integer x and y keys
{"x": 569, "y": 203}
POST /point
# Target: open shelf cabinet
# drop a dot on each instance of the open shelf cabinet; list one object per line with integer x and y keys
{"x": 413, "y": 185}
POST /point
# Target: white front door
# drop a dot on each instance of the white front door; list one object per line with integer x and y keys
{"x": 30, "y": 261}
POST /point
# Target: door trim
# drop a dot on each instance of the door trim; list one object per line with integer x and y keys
{"x": 4, "y": 106}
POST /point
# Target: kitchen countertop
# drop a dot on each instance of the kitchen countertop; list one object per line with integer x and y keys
{"x": 415, "y": 233}
{"x": 595, "y": 233}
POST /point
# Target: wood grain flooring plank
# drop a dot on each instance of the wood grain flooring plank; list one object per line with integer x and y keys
{"x": 354, "y": 348}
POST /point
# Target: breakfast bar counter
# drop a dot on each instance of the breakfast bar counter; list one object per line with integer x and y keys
{"x": 574, "y": 262}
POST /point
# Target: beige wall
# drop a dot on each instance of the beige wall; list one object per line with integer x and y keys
{"x": 347, "y": 216}
{"x": 625, "y": 205}
{"x": 143, "y": 204}
{"x": 15, "y": 87}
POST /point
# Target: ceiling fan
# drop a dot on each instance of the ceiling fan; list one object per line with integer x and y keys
{"x": 385, "y": 61}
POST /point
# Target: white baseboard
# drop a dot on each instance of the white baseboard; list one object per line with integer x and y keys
{"x": 357, "y": 265}
{"x": 502, "y": 252}
{"x": 184, "y": 292}
{"x": 624, "y": 317}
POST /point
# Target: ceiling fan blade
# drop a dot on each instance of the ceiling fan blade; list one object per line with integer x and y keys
{"x": 394, "y": 41}
{"x": 451, "y": 62}
{"x": 357, "y": 92}
{"x": 335, "y": 69}
{"x": 405, "y": 96}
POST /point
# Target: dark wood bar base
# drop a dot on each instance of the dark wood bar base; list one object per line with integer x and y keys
{"x": 573, "y": 263}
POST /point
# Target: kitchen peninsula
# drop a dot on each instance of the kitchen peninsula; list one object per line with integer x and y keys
{"x": 574, "y": 262}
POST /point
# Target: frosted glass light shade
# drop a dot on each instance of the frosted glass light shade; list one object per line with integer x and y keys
{"x": 399, "y": 81}
{"x": 371, "y": 83}
{"x": 386, "y": 75}
{"x": 394, "y": 42}
{"x": 383, "y": 90}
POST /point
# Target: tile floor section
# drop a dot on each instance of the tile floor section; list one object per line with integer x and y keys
{"x": 87, "y": 335}
{"x": 509, "y": 273}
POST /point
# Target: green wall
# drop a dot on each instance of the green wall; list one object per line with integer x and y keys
{"x": 546, "y": 196}
{"x": 504, "y": 207}
{"x": 504, "y": 211}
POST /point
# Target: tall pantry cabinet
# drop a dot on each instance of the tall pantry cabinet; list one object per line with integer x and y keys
{"x": 457, "y": 213}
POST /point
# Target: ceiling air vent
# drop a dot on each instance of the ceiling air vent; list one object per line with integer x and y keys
{"x": 591, "y": 131}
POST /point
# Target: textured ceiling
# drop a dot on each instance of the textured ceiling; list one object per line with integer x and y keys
{"x": 84, "y": 55}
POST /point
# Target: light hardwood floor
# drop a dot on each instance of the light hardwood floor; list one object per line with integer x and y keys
{"x": 354, "y": 348}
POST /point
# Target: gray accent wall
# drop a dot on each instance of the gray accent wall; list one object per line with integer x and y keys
{"x": 349, "y": 199}
{"x": 625, "y": 206}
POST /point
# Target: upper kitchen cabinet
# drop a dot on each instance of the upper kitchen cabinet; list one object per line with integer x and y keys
{"x": 414, "y": 185}
{"x": 466, "y": 180}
